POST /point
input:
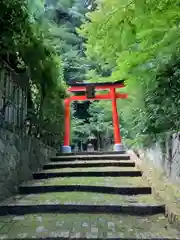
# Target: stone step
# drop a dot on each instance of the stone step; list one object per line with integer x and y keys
{"x": 80, "y": 198}
{"x": 81, "y": 202}
{"x": 86, "y": 226}
{"x": 91, "y": 157}
{"x": 121, "y": 185}
{"x": 52, "y": 173}
{"x": 140, "y": 210}
{"x": 127, "y": 190}
{"x": 92, "y": 181}
{"x": 91, "y": 153}
{"x": 84, "y": 164}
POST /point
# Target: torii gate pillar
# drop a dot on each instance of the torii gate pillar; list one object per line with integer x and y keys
{"x": 67, "y": 130}
{"x": 117, "y": 135}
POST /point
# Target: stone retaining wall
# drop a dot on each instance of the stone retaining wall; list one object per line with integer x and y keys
{"x": 20, "y": 156}
{"x": 165, "y": 156}
{"x": 162, "y": 188}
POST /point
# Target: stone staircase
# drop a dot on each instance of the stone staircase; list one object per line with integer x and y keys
{"x": 77, "y": 196}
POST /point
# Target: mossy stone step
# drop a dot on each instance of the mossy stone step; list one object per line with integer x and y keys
{"x": 93, "y": 169}
{"x": 91, "y": 181}
{"x": 141, "y": 210}
{"x": 90, "y": 162}
{"x": 91, "y": 153}
{"x": 91, "y": 157}
{"x": 121, "y": 185}
{"x": 80, "y": 198}
{"x": 128, "y": 190}
{"x": 86, "y": 226}
{"x": 84, "y": 164}
{"x": 88, "y": 172}
{"x": 81, "y": 202}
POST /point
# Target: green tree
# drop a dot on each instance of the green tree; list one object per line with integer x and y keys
{"x": 23, "y": 46}
{"x": 139, "y": 41}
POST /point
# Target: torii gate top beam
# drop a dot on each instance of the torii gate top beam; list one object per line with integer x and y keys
{"x": 80, "y": 87}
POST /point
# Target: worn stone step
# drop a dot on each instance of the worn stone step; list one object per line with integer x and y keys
{"x": 92, "y": 172}
{"x": 128, "y": 190}
{"x": 84, "y": 164}
{"x": 81, "y": 202}
{"x": 80, "y": 198}
{"x": 86, "y": 226}
{"x": 93, "y": 169}
{"x": 91, "y": 157}
{"x": 70, "y": 208}
{"x": 91, "y": 181}
{"x": 121, "y": 185}
{"x": 91, "y": 153}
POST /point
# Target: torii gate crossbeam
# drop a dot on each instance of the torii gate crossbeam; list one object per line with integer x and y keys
{"x": 112, "y": 95}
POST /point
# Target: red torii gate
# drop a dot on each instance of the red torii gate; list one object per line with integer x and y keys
{"x": 90, "y": 95}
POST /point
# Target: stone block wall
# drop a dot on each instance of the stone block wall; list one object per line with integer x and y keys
{"x": 20, "y": 156}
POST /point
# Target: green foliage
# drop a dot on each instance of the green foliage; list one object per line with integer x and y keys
{"x": 64, "y": 17}
{"x": 100, "y": 117}
{"x": 14, "y": 24}
{"x": 80, "y": 130}
{"x": 139, "y": 41}
{"x": 24, "y": 46}
{"x": 164, "y": 116}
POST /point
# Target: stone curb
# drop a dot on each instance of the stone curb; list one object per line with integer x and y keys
{"x": 162, "y": 189}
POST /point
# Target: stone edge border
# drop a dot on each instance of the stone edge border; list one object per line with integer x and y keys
{"x": 162, "y": 189}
